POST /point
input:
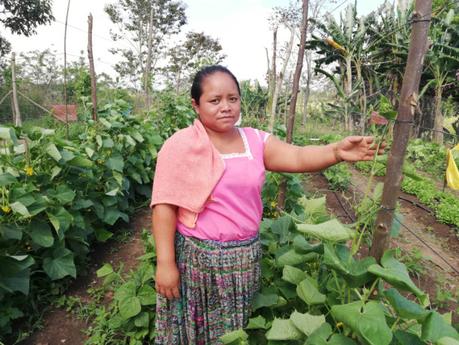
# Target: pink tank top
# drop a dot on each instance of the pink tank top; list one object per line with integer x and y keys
{"x": 235, "y": 210}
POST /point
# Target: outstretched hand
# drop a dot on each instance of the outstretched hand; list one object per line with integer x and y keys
{"x": 357, "y": 148}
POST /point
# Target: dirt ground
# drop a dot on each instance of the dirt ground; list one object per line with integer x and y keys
{"x": 64, "y": 328}
{"x": 439, "y": 246}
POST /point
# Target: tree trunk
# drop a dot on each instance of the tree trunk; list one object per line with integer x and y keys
{"x": 92, "y": 70}
{"x": 280, "y": 78}
{"x": 147, "y": 74}
{"x": 16, "y": 112}
{"x": 437, "y": 136}
{"x": 272, "y": 75}
{"x": 363, "y": 97}
{"x": 295, "y": 89}
{"x": 407, "y": 105}
{"x": 348, "y": 91}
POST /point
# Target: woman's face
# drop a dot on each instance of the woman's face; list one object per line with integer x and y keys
{"x": 220, "y": 104}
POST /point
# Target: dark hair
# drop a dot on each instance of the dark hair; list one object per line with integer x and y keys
{"x": 196, "y": 87}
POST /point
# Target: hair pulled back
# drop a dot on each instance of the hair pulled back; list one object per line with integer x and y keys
{"x": 196, "y": 87}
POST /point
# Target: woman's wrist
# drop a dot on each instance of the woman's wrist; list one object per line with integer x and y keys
{"x": 336, "y": 154}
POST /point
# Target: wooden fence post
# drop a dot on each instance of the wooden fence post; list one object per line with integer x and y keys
{"x": 16, "y": 112}
{"x": 91, "y": 70}
{"x": 403, "y": 123}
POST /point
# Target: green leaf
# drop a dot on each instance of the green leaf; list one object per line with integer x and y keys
{"x": 61, "y": 220}
{"x": 18, "y": 207}
{"x": 105, "y": 270}
{"x": 147, "y": 295}
{"x": 281, "y": 227}
{"x": 435, "y": 328}
{"x": 292, "y": 258}
{"x": 125, "y": 291}
{"x": 60, "y": 265}
{"x": 307, "y": 323}
{"x": 8, "y": 133}
{"x": 112, "y": 215}
{"x": 81, "y": 204}
{"x": 41, "y": 234}
{"x": 354, "y": 272}
{"x": 15, "y": 273}
{"x": 304, "y": 247}
{"x": 447, "y": 341}
{"x": 64, "y": 194}
{"x": 142, "y": 320}
{"x": 129, "y": 307}
{"x": 395, "y": 273}
{"x": 10, "y": 232}
{"x": 366, "y": 320}
{"x": 405, "y": 308}
{"x": 115, "y": 162}
{"x": 55, "y": 171}
{"x": 89, "y": 151}
{"x": 52, "y": 151}
{"x": 283, "y": 330}
{"x": 7, "y": 179}
{"x": 308, "y": 292}
{"x": 293, "y": 275}
{"x": 238, "y": 335}
{"x": 323, "y": 336}
{"x": 81, "y": 162}
{"x": 264, "y": 300}
{"x": 258, "y": 322}
{"x": 314, "y": 207}
{"x": 406, "y": 338}
{"x": 102, "y": 235}
{"x": 331, "y": 230}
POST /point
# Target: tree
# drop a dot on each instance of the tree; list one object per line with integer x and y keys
{"x": 22, "y": 17}
{"x": 190, "y": 55}
{"x": 145, "y": 25}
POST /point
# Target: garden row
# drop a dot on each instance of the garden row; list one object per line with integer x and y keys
{"x": 59, "y": 194}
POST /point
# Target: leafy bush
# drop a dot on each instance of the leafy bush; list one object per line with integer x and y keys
{"x": 59, "y": 195}
{"x": 427, "y": 156}
{"x": 338, "y": 176}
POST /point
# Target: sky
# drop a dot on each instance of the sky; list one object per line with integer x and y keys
{"x": 241, "y": 27}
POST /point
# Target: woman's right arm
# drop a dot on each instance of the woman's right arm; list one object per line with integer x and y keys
{"x": 164, "y": 223}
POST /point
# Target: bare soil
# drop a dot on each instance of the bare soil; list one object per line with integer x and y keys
{"x": 64, "y": 328}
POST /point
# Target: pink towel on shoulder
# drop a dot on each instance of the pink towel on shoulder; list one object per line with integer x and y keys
{"x": 187, "y": 169}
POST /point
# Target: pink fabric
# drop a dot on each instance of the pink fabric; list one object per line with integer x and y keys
{"x": 236, "y": 208}
{"x": 187, "y": 169}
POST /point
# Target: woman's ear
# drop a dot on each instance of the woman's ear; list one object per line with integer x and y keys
{"x": 195, "y": 106}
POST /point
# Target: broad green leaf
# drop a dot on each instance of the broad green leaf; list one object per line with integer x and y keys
{"x": 142, "y": 320}
{"x": 283, "y": 330}
{"x": 395, "y": 273}
{"x": 264, "y": 300}
{"x": 7, "y": 179}
{"x": 307, "y": 290}
{"x": 147, "y": 295}
{"x": 104, "y": 270}
{"x": 99, "y": 141}
{"x": 238, "y": 335}
{"x": 112, "y": 215}
{"x": 302, "y": 246}
{"x": 406, "y": 338}
{"x": 61, "y": 220}
{"x": 55, "y": 171}
{"x": 60, "y": 265}
{"x": 67, "y": 155}
{"x": 307, "y": 323}
{"x": 292, "y": 258}
{"x": 81, "y": 162}
{"x": 115, "y": 162}
{"x": 447, "y": 341}
{"x": 18, "y": 207}
{"x": 281, "y": 227}
{"x": 314, "y": 207}
{"x": 108, "y": 143}
{"x": 125, "y": 291}
{"x": 113, "y": 192}
{"x": 41, "y": 234}
{"x": 105, "y": 123}
{"x": 15, "y": 273}
{"x": 81, "y": 204}
{"x": 10, "y": 232}
{"x": 323, "y": 336}
{"x": 258, "y": 322}
{"x": 64, "y": 194}
{"x": 8, "y": 133}
{"x": 435, "y": 327}
{"x": 405, "y": 308}
{"x": 366, "y": 320}
{"x": 331, "y": 230}
{"x": 137, "y": 136}
{"x": 129, "y": 307}
{"x": 89, "y": 151}
{"x": 102, "y": 235}
{"x": 293, "y": 275}
{"x": 52, "y": 151}
{"x": 354, "y": 272}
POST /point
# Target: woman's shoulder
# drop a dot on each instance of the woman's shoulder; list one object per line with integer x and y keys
{"x": 256, "y": 133}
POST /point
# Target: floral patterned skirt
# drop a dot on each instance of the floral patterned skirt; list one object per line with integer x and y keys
{"x": 217, "y": 283}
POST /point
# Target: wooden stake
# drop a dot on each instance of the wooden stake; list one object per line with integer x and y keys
{"x": 403, "y": 124}
{"x": 16, "y": 112}
{"x": 65, "y": 72}
{"x": 91, "y": 70}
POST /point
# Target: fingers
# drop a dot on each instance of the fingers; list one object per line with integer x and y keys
{"x": 169, "y": 293}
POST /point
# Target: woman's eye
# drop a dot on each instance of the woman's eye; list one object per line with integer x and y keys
{"x": 233, "y": 99}
{"x": 214, "y": 101}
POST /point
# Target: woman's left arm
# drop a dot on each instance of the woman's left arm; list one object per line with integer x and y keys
{"x": 282, "y": 157}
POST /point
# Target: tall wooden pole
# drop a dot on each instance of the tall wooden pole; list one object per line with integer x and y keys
{"x": 403, "y": 123}
{"x": 16, "y": 112}
{"x": 65, "y": 72}
{"x": 295, "y": 90}
{"x": 92, "y": 71}
{"x": 147, "y": 75}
